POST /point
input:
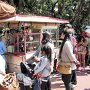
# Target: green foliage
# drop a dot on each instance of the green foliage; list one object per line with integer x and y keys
{"x": 77, "y": 11}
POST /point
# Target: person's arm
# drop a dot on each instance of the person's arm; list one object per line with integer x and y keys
{"x": 69, "y": 52}
{"x": 37, "y": 52}
{"x": 4, "y": 49}
{"x": 40, "y": 67}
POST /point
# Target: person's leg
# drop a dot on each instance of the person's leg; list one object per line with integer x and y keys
{"x": 49, "y": 84}
{"x": 67, "y": 81}
{"x": 44, "y": 86}
{"x": 52, "y": 65}
{"x": 36, "y": 85}
{"x": 79, "y": 58}
{"x": 74, "y": 79}
{"x": 83, "y": 60}
{"x": 54, "y": 68}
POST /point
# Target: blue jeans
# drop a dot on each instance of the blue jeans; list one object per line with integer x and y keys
{"x": 46, "y": 85}
{"x": 36, "y": 85}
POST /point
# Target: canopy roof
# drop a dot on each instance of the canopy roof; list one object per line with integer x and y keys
{"x": 32, "y": 18}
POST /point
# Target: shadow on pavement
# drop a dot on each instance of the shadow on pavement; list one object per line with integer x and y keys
{"x": 58, "y": 85}
{"x": 87, "y": 89}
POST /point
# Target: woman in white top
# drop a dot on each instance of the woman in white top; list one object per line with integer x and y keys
{"x": 67, "y": 55}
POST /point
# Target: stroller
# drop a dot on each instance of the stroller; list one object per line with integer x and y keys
{"x": 27, "y": 69}
{"x": 26, "y": 78}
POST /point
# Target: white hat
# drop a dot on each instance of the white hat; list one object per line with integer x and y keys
{"x": 68, "y": 25}
{"x": 47, "y": 32}
{"x": 71, "y": 30}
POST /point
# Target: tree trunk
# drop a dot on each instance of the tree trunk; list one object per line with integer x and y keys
{"x": 21, "y": 3}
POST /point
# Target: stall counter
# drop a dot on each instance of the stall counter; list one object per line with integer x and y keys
{"x": 13, "y": 61}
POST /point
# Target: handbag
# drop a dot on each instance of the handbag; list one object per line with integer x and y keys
{"x": 64, "y": 68}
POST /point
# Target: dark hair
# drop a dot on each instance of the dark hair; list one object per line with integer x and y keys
{"x": 67, "y": 36}
{"x": 80, "y": 38}
{"x": 45, "y": 38}
{"x": 64, "y": 25}
{"x": 47, "y": 51}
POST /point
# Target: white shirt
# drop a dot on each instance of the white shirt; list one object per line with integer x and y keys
{"x": 68, "y": 55}
{"x": 51, "y": 45}
{"x": 2, "y": 68}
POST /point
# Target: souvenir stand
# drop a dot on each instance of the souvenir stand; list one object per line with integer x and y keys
{"x": 22, "y": 35}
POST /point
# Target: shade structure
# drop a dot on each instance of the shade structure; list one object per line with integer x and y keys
{"x": 32, "y": 18}
{"x": 6, "y": 10}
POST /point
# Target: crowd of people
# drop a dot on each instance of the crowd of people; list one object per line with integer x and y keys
{"x": 73, "y": 49}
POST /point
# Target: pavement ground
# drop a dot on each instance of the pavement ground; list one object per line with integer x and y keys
{"x": 83, "y": 81}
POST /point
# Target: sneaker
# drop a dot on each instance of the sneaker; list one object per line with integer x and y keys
{"x": 73, "y": 85}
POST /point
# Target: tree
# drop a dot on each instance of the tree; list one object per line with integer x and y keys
{"x": 77, "y": 11}
{"x": 82, "y": 13}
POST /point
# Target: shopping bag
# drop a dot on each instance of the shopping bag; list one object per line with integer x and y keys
{"x": 64, "y": 68}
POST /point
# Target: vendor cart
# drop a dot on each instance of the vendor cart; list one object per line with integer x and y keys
{"x": 23, "y": 35}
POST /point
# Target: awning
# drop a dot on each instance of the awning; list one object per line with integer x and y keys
{"x": 32, "y": 18}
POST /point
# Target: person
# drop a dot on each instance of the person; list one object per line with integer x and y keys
{"x": 70, "y": 30}
{"x": 82, "y": 43}
{"x": 67, "y": 55}
{"x": 2, "y": 69}
{"x": 3, "y": 49}
{"x": 74, "y": 44}
{"x": 43, "y": 69}
{"x": 88, "y": 49}
{"x": 73, "y": 39}
{"x": 46, "y": 41}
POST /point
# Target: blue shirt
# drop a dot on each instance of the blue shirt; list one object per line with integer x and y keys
{"x": 2, "y": 48}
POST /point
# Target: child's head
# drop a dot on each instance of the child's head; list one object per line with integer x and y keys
{"x": 46, "y": 37}
{"x": 46, "y": 51}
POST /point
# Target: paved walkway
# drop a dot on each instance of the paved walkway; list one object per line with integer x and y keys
{"x": 83, "y": 81}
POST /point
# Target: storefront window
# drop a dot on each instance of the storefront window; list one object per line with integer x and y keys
{"x": 26, "y": 42}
